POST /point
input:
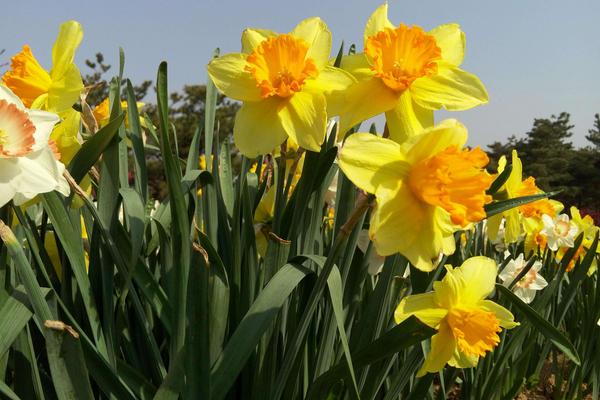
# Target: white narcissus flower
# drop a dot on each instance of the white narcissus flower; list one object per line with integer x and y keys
{"x": 527, "y": 286}
{"x": 28, "y": 165}
{"x": 560, "y": 231}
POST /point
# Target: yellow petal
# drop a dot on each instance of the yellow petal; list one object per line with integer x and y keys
{"x": 380, "y": 99}
{"x": 304, "y": 118}
{"x": 512, "y": 225}
{"x": 422, "y": 306}
{"x": 451, "y": 88}
{"x": 266, "y": 206}
{"x": 377, "y": 21}
{"x": 451, "y": 41}
{"x": 358, "y": 65}
{"x": 479, "y": 275}
{"x": 65, "y": 135}
{"x": 258, "y": 128}
{"x": 332, "y": 82}
{"x": 513, "y": 183}
{"x": 447, "y": 133}
{"x": 314, "y": 32}
{"x": 65, "y": 90}
{"x": 402, "y": 224}
{"x": 407, "y": 119}
{"x": 63, "y": 52}
{"x": 370, "y": 161}
{"x": 443, "y": 347}
{"x": 229, "y": 75}
{"x": 448, "y": 290}
{"x": 493, "y": 226}
{"x": 463, "y": 360}
{"x": 505, "y": 317}
{"x": 253, "y": 37}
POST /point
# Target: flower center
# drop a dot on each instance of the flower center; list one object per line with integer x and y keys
{"x": 526, "y": 280}
{"x": 26, "y": 77}
{"x": 561, "y": 228}
{"x": 475, "y": 331}
{"x": 454, "y": 180}
{"x": 401, "y": 55}
{"x": 280, "y": 66}
{"x": 16, "y": 131}
{"x": 536, "y": 208}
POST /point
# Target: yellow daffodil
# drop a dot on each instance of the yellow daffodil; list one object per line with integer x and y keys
{"x": 426, "y": 189}
{"x": 407, "y": 73}
{"x": 102, "y": 112}
{"x": 515, "y": 187}
{"x": 287, "y": 87}
{"x": 56, "y": 90}
{"x": 467, "y": 323}
{"x": 534, "y": 237}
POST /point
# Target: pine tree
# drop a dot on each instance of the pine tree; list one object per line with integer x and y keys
{"x": 594, "y": 133}
{"x": 547, "y": 153}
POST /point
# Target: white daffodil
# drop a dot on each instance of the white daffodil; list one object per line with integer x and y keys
{"x": 527, "y": 286}
{"x": 560, "y": 231}
{"x": 28, "y": 165}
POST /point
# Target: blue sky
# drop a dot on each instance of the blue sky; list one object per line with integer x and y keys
{"x": 536, "y": 57}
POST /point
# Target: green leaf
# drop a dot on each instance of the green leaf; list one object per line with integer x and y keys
{"x": 505, "y": 205}
{"x": 248, "y": 333}
{"x": 543, "y": 326}
{"x": 14, "y": 316}
{"x": 90, "y": 151}
{"x": 500, "y": 180}
{"x": 402, "y": 336}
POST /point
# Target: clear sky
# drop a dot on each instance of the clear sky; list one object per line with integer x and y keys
{"x": 536, "y": 57}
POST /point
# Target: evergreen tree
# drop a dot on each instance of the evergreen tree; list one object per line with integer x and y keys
{"x": 547, "y": 153}
{"x": 594, "y": 133}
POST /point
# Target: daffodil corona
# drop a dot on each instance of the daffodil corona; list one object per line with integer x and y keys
{"x": 468, "y": 325}
{"x": 426, "y": 189}
{"x": 407, "y": 73}
{"x": 287, "y": 87}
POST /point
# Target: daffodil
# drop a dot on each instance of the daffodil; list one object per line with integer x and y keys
{"x": 467, "y": 323}
{"x": 532, "y": 281}
{"x": 515, "y": 187}
{"x": 57, "y": 90}
{"x": 102, "y": 112}
{"x": 585, "y": 225}
{"x": 535, "y": 239}
{"x": 286, "y": 84}
{"x": 426, "y": 189}
{"x": 28, "y": 166}
{"x": 407, "y": 73}
{"x": 559, "y": 231}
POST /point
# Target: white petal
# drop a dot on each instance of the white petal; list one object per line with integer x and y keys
{"x": 9, "y": 96}
{"x": 38, "y": 172}
{"x": 44, "y": 124}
